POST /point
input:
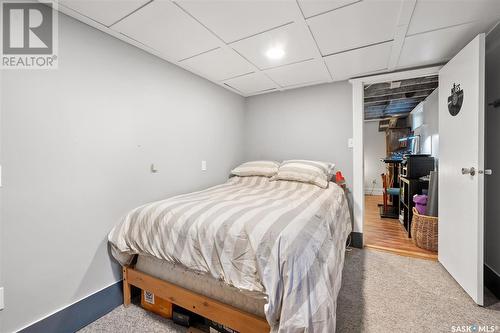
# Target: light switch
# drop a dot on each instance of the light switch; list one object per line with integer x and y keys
{"x": 203, "y": 165}
{"x": 350, "y": 143}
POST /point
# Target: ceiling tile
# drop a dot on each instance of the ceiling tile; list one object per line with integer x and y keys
{"x": 294, "y": 39}
{"x": 219, "y": 64}
{"x": 315, "y": 7}
{"x": 233, "y": 20}
{"x": 363, "y": 23}
{"x": 104, "y": 12}
{"x": 432, "y": 15}
{"x": 251, "y": 83}
{"x": 166, "y": 28}
{"x": 356, "y": 36}
{"x": 303, "y": 72}
{"x": 358, "y": 62}
{"x": 440, "y": 45}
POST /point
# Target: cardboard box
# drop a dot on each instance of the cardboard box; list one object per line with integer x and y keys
{"x": 155, "y": 304}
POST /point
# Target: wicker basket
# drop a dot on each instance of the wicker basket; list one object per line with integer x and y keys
{"x": 424, "y": 231}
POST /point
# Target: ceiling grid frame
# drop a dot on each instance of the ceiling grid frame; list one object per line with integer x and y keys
{"x": 293, "y": 11}
{"x": 223, "y": 45}
{"x": 405, "y": 15}
{"x": 98, "y": 25}
{"x": 303, "y": 20}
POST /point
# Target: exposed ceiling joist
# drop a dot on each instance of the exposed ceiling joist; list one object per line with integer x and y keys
{"x": 374, "y": 117}
{"x": 402, "y": 90}
{"x": 404, "y": 83}
{"x": 389, "y": 109}
{"x": 386, "y": 115}
{"x": 397, "y": 98}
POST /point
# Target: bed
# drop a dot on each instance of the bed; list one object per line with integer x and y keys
{"x": 260, "y": 255}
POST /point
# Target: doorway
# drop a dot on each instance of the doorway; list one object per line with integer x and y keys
{"x": 492, "y": 162}
{"x": 358, "y": 186}
{"x": 400, "y": 156}
{"x": 461, "y": 209}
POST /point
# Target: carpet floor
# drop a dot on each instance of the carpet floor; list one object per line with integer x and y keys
{"x": 381, "y": 292}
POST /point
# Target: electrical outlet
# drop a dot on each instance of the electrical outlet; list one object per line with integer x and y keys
{"x": 1, "y": 299}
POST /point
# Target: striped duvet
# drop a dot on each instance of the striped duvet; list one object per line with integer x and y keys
{"x": 284, "y": 239}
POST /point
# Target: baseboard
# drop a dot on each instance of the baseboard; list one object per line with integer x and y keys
{"x": 357, "y": 239}
{"x": 80, "y": 314}
{"x": 374, "y": 191}
{"x": 492, "y": 281}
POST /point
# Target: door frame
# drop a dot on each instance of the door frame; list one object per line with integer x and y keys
{"x": 358, "y": 195}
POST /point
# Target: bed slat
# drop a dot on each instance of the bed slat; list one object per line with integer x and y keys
{"x": 209, "y": 308}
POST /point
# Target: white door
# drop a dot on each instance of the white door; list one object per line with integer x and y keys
{"x": 461, "y": 165}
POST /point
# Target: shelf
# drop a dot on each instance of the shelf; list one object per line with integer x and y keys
{"x": 410, "y": 188}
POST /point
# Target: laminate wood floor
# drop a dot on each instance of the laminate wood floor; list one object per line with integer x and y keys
{"x": 388, "y": 234}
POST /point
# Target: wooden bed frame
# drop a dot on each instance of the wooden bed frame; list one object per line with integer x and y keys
{"x": 219, "y": 312}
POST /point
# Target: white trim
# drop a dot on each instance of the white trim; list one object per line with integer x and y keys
{"x": 358, "y": 156}
{"x": 481, "y": 155}
{"x": 357, "y": 132}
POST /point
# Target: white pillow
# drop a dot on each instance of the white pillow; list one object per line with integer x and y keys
{"x": 305, "y": 171}
{"x": 256, "y": 168}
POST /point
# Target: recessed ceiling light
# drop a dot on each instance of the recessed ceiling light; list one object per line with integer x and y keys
{"x": 275, "y": 53}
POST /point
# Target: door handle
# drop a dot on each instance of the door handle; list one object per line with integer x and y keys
{"x": 487, "y": 172}
{"x": 469, "y": 171}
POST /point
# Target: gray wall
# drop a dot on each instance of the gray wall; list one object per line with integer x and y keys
{"x": 492, "y": 183}
{"x": 308, "y": 123}
{"x": 374, "y": 149}
{"x": 77, "y": 143}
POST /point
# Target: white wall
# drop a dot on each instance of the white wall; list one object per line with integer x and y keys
{"x": 374, "y": 148}
{"x": 492, "y": 183}
{"x": 307, "y": 123}
{"x": 428, "y": 111}
{"x": 77, "y": 143}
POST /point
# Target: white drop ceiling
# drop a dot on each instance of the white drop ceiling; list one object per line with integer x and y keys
{"x": 226, "y": 41}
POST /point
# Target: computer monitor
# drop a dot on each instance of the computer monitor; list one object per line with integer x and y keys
{"x": 411, "y": 143}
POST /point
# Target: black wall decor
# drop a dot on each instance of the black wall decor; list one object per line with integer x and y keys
{"x": 455, "y": 100}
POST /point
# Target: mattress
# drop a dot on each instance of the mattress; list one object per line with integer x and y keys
{"x": 203, "y": 284}
{"x": 284, "y": 239}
